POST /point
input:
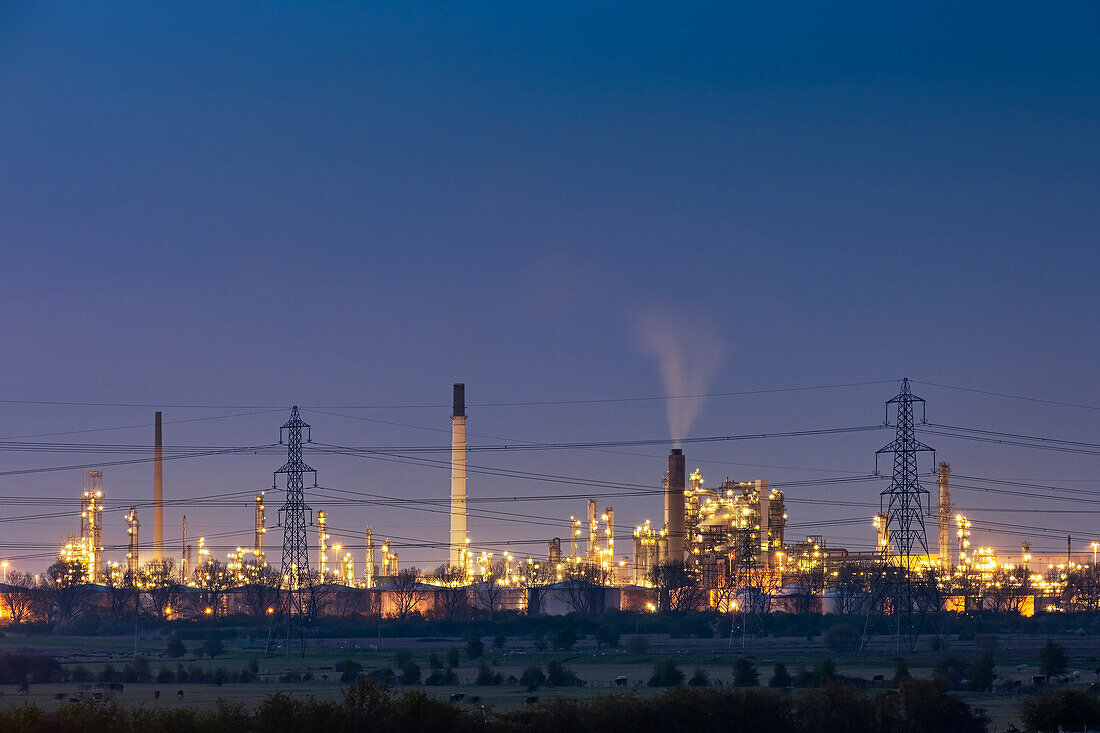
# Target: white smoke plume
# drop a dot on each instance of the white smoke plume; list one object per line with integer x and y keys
{"x": 688, "y": 350}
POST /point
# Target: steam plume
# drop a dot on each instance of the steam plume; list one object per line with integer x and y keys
{"x": 688, "y": 351}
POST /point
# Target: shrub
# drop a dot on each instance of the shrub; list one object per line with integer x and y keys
{"x": 486, "y": 676}
{"x": 1066, "y": 709}
{"x": 564, "y": 640}
{"x": 780, "y": 676}
{"x": 442, "y": 677}
{"x": 349, "y": 670}
{"x": 840, "y": 638}
{"x": 452, "y": 657}
{"x": 212, "y": 646}
{"x": 434, "y": 662}
{"x": 559, "y": 675}
{"x": 165, "y": 675}
{"x": 1052, "y": 658}
{"x": 401, "y": 656}
{"x": 901, "y": 671}
{"x": 474, "y": 648}
{"x": 607, "y": 634}
{"x": 666, "y": 674}
{"x": 175, "y": 648}
{"x": 410, "y": 673}
{"x": 532, "y": 676}
{"x": 637, "y": 645}
{"x": 744, "y": 673}
{"x": 382, "y": 676}
{"x": 699, "y": 679}
{"x": 499, "y": 641}
{"x": 980, "y": 674}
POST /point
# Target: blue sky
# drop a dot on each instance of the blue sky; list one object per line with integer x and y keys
{"x": 326, "y": 204}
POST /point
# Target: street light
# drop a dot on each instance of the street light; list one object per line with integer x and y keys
{"x": 1094, "y": 546}
{"x": 4, "y": 565}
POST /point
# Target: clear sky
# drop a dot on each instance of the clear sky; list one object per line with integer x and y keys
{"x": 357, "y": 204}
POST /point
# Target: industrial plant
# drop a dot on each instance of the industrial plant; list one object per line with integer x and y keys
{"x": 721, "y": 544}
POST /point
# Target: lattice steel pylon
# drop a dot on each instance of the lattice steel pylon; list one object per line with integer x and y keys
{"x": 292, "y": 625}
{"x": 905, "y": 503}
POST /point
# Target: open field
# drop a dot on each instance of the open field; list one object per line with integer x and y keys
{"x": 598, "y": 667}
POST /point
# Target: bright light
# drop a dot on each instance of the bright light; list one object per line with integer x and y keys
{"x": 208, "y": 610}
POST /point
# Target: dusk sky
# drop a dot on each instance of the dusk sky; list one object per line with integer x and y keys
{"x": 224, "y": 209}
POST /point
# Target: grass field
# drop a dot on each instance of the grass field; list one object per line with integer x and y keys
{"x": 597, "y": 667}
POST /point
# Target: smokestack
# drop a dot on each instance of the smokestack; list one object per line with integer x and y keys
{"x": 674, "y": 505}
{"x": 458, "y": 477}
{"x": 946, "y": 560}
{"x": 132, "y": 545}
{"x": 158, "y": 492}
{"x": 260, "y": 530}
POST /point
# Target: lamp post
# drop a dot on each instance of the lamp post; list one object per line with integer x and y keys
{"x": 4, "y": 565}
{"x": 1095, "y": 545}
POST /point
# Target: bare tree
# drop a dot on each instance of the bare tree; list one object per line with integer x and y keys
{"x": 123, "y": 593}
{"x": 490, "y": 591}
{"x": 17, "y": 596}
{"x": 1082, "y": 591}
{"x": 64, "y": 589}
{"x": 160, "y": 588}
{"x": 213, "y": 580}
{"x": 408, "y": 591}
{"x": 451, "y": 593}
{"x": 678, "y": 587}
{"x": 584, "y": 587}
{"x": 261, "y": 592}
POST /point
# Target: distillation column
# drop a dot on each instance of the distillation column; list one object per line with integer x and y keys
{"x": 944, "y": 517}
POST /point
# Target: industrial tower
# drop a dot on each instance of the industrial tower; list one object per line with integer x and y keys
{"x": 905, "y": 503}
{"x": 457, "y": 558}
{"x": 296, "y": 598}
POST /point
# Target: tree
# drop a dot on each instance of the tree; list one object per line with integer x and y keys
{"x": 499, "y": 641}
{"x": 212, "y": 646}
{"x": 980, "y": 674}
{"x": 565, "y": 639}
{"x": 780, "y": 677}
{"x": 532, "y": 677}
{"x": 16, "y": 597}
{"x": 840, "y": 638}
{"x": 260, "y": 591}
{"x": 64, "y": 588}
{"x": 408, "y": 591}
{"x": 486, "y": 676}
{"x": 474, "y": 648}
{"x": 452, "y": 657}
{"x": 1052, "y": 658}
{"x": 349, "y": 670}
{"x": 559, "y": 675}
{"x": 677, "y": 586}
{"x": 901, "y": 671}
{"x": 410, "y": 673}
{"x": 213, "y": 580}
{"x": 490, "y": 591}
{"x": 175, "y": 648}
{"x": 607, "y": 634}
{"x": 744, "y": 673}
{"x": 123, "y": 593}
{"x": 161, "y": 591}
{"x": 699, "y": 679}
{"x": 666, "y": 674}
{"x": 451, "y": 593}
{"x": 1064, "y": 710}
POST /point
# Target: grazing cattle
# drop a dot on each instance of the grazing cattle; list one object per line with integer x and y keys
{"x": 1022, "y": 667}
{"x": 179, "y": 694}
{"x": 97, "y": 696}
{"x": 23, "y": 689}
{"x": 457, "y": 696}
{"x": 621, "y": 681}
{"x": 156, "y": 694}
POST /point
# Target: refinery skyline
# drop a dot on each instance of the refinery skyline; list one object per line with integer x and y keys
{"x": 411, "y": 518}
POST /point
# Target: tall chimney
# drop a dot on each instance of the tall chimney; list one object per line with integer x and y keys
{"x": 674, "y": 505}
{"x": 458, "y": 477}
{"x": 260, "y": 529}
{"x": 946, "y": 561}
{"x": 158, "y": 493}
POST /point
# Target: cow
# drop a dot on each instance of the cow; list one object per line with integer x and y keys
{"x": 179, "y": 694}
{"x": 621, "y": 681}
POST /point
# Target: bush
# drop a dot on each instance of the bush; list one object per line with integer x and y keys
{"x": 212, "y": 646}
{"x": 559, "y": 675}
{"x": 18, "y": 668}
{"x": 901, "y": 671}
{"x": 699, "y": 679}
{"x": 452, "y": 657}
{"x": 841, "y": 638}
{"x": 980, "y": 674}
{"x": 532, "y": 676}
{"x": 486, "y": 676}
{"x": 165, "y": 675}
{"x": 637, "y": 645}
{"x": 744, "y": 673}
{"x": 666, "y": 674}
{"x": 1052, "y": 658}
{"x": 349, "y": 670}
{"x": 927, "y": 706}
{"x": 1067, "y": 709}
{"x": 564, "y": 640}
{"x": 499, "y": 641}
{"x": 382, "y": 676}
{"x": 401, "y": 656}
{"x": 410, "y": 673}
{"x": 175, "y": 648}
{"x": 607, "y": 634}
{"x": 434, "y": 662}
{"x": 949, "y": 671}
{"x": 780, "y": 677}
{"x": 442, "y": 677}
{"x": 474, "y": 648}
